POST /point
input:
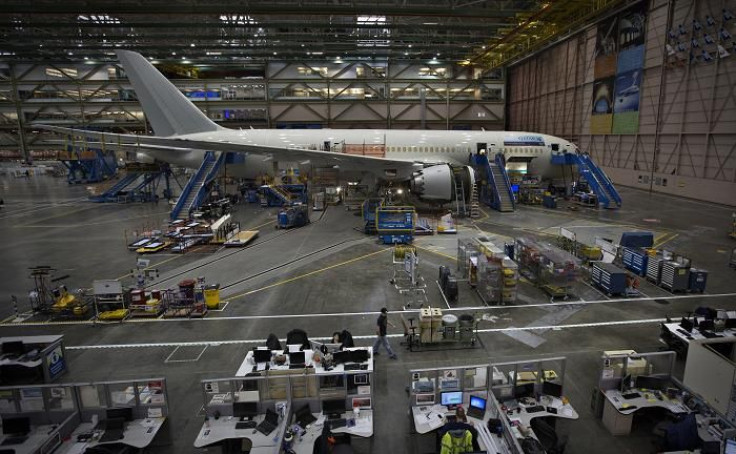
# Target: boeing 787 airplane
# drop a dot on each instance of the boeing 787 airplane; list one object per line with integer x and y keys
{"x": 429, "y": 160}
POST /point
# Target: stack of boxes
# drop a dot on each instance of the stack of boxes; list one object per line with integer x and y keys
{"x": 430, "y": 325}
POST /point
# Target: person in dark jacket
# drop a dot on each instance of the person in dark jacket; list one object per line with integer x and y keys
{"x": 381, "y": 334}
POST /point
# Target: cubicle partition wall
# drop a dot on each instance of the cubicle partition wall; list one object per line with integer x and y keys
{"x": 32, "y": 359}
{"x": 512, "y": 378}
{"x": 428, "y": 385}
{"x": 354, "y": 387}
{"x": 52, "y": 411}
{"x": 617, "y": 366}
{"x": 147, "y": 398}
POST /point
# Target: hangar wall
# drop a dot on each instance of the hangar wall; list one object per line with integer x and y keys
{"x": 681, "y": 137}
{"x": 355, "y": 94}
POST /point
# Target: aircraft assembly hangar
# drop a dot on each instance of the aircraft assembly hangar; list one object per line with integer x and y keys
{"x": 395, "y": 226}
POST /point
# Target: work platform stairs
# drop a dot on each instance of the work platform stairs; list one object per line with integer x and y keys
{"x": 284, "y": 195}
{"x": 496, "y": 192}
{"x": 138, "y": 184}
{"x": 596, "y": 178}
{"x": 461, "y": 208}
{"x": 195, "y": 191}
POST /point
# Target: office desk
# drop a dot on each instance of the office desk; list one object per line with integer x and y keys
{"x": 248, "y": 365}
{"x": 363, "y": 428}
{"x": 695, "y": 334}
{"x": 565, "y": 411}
{"x": 41, "y": 437}
{"x": 428, "y": 418}
{"x": 218, "y": 430}
{"x": 618, "y": 414}
{"x": 138, "y": 433}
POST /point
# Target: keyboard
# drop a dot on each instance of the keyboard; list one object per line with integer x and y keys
{"x": 630, "y": 396}
{"x": 297, "y": 366}
{"x": 535, "y": 409}
{"x": 337, "y": 423}
{"x": 14, "y": 440}
{"x": 352, "y": 366}
{"x": 246, "y": 425}
{"x": 112, "y": 435}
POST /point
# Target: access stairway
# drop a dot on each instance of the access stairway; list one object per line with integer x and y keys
{"x": 598, "y": 181}
{"x": 283, "y": 195}
{"x": 195, "y": 190}
{"x": 495, "y": 189}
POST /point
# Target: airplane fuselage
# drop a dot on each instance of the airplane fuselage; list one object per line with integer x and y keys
{"x": 423, "y": 147}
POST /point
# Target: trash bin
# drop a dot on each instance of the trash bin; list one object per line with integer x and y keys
{"x": 466, "y": 327}
{"x": 212, "y": 296}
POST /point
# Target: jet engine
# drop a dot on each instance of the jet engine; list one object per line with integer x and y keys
{"x": 437, "y": 182}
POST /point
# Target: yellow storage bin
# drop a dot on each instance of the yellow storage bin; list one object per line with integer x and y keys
{"x": 118, "y": 314}
{"x": 212, "y": 296}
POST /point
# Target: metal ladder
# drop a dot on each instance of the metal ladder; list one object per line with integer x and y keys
{"x": 474, "y": 203}
{"x": 461, "y": 210}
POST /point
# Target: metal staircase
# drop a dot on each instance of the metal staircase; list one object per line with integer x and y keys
{"x": 114, "y": 190}
{"x": 461, "y": 209}
{"x": 596, "y": 178}
{"x": 194, "y": 192}
{"x": 495, "y": 189}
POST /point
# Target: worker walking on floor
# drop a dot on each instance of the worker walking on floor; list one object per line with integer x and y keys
{"x": 381, "y": 332}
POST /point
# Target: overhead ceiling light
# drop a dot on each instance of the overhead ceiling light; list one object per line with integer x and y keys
{"x": 275, "y": 53}
{"x": 173, "y": 53}
{"x": 193, "y": 45}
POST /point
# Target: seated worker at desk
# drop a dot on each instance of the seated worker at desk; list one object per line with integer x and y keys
{"x": 458, "y": 432}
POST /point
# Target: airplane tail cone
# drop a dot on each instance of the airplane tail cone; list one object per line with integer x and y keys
{"x": 167, "y": 109}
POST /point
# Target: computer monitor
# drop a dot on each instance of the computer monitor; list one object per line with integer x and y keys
{"x": 626, "y": 382}
{"x": 649, "y": 382}
{"x": 730, "y": 447}
{"x": 730, "y": 323}
{"x": 245, "y": 409}
{"x": 706, "y": 325}
{"x": 552, "y": 389}
{"x": 297, "y": 358}
{"x": 13, "y": 348}
{"x": 711, "y": 447}
{"x": 478, "y": 402}
{"x": 124, "y": 413}
{"x": 525, "y": 390}
{"x": 16, "y": 426}
{"x": 451, "y": 399}
{"x": 333, "y": 406}
{"x": 686, "y": 324}
{"x": 341, "y": 357}
{"x": 262, "y": 356}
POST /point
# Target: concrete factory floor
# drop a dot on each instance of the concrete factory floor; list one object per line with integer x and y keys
{"x": 329, "y": 276}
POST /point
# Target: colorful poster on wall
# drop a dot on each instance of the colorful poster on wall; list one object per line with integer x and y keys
{"x": 627, "y": 89}
{"x": 630, "y": 39}
{"x": 602, "y": 109}
{"x": 606, "y": 48}
{"x": 626, "y": 103}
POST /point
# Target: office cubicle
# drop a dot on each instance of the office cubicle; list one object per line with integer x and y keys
{"x": 146, "y": 397}
{"x": 52, "y": 411}
{"x": 34, "y": 359}
{"x": 426, "y": 388}
{"x": 355, "y": 387}
{"x": 617, "y": 366}
{"x": 427, "y": 385}
{"x": 510, "y": 378}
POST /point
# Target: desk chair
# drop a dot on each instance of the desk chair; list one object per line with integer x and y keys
{"x": 272, "y": 342}
{"x": 298, "y": 336}
{"x": 547, "y": 436}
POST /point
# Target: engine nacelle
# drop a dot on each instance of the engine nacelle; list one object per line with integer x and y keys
{"x": 433, "y": 183}
{"x": 438, "y": 182}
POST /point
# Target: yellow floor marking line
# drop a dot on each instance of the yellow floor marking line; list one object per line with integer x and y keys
{"x": 302, "y": 276}
{"x": 436, "y": 252}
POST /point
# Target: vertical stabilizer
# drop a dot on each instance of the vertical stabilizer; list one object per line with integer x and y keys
{"x": 167, "y": 109}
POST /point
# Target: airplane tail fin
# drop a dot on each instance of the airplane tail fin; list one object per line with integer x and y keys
{"x": 167, "y": 109}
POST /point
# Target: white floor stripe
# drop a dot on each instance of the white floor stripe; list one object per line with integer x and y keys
{"x": 362, "y": 314}
{"x": 371, "y": 336}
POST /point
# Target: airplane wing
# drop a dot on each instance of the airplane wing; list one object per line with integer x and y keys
{"x": 303, "y": 156}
